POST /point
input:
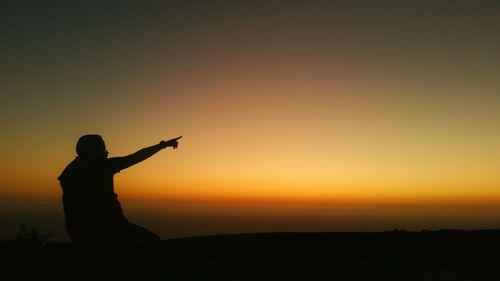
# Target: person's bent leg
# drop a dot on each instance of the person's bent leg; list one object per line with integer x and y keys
{"x": 139, "y": 233}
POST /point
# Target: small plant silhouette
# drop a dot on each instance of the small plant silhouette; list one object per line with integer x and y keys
{"x": 31, "y": 235}
{"x": 29, "y": 243}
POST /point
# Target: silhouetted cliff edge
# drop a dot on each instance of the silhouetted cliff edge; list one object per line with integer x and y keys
{"x": 391, "y": 255}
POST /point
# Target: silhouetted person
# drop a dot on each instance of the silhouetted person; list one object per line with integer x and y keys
{"x": 93, "y": 212}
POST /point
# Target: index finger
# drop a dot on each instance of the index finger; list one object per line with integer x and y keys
{"x": 175, "y": 138}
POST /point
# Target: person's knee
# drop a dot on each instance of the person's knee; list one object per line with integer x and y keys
{"x": 138, "y": 232}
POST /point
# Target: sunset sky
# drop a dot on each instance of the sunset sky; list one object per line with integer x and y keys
{"x": 295, "y": 115}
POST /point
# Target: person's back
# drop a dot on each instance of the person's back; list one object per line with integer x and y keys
{"x": 92, "y": 210}
{"x": 91, "y": 207}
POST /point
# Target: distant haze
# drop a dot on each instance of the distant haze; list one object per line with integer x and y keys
{"x": 295, "y": 115}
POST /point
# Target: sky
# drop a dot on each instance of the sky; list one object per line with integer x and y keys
{"x": 295, "y": 115}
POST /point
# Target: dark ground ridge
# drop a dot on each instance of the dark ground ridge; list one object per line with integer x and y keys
{"x": 390, "y": 255}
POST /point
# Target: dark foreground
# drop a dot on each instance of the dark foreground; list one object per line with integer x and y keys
{"x": 395, "y": 255}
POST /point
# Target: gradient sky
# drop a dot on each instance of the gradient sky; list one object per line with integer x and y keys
{"x": 319, "y": 115}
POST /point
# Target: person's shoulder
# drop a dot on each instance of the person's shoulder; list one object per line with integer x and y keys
{"x": 114, "y": 164}
{"x": 70, "y": 169}
{"x": 114, "y": 160}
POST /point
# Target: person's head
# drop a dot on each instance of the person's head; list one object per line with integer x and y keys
{"x": 91, "y": 147}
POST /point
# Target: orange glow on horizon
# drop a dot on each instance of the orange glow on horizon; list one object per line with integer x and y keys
{"x": 316, "y": 104}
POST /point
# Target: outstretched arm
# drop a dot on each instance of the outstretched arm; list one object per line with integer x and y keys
{"x": 143, "y": 154}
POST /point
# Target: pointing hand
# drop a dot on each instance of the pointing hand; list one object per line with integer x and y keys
{"x": 173, "y": 143}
